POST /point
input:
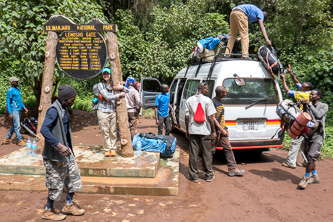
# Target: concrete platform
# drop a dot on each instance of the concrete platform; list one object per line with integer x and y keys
{"x": 165, "y": 182}
{"x": 91, "y": 162}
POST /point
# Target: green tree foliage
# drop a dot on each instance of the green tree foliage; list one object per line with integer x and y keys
{"x": 22, "y": 40}
{"x": 171, "y": 35}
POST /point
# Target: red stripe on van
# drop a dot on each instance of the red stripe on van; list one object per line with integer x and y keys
{"x": 251, "y": 147}
{"x": 274, "y": 121}
{"x": 230, "y": 122}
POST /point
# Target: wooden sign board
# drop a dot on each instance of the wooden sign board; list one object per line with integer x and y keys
{"x": 60, "y": 23}
{"x": 81, "y": 55}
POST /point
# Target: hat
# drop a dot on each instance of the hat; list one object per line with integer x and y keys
{"x": 106, "y": 70}
{"x": 129, "y": 81}
{"x": 13, "y": 79}
{"x": 65, "y": 92}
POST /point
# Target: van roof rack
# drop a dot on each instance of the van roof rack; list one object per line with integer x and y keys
{"x": 221, "y": 56}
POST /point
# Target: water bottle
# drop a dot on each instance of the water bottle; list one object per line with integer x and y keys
{"x": 34, "y": 148}
{"x": 28, "y": 145}
{"x": 138, "y": 148}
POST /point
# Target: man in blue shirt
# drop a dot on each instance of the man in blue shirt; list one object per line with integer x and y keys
{"x": 240, "y": 16}
{"x": 162, "y": 106}
{"x": 14, "y": 107}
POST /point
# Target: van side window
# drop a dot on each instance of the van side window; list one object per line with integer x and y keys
{"x": 191, "y": 88}
{"x": 172, "y": 91}
{"x": 210, "y": 84}
{"x": 253, "y": 89}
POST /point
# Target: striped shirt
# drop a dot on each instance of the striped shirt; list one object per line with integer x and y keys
{"x": 108, "y": 104}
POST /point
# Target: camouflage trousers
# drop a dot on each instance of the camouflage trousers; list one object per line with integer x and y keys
{"x": 60, "y": 176}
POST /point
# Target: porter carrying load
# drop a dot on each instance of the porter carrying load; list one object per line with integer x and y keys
{"x": 296, "y": 121}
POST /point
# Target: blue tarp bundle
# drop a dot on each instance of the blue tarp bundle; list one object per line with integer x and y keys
{"x": 150, "y": 142}
{"x": 210, "y": 43}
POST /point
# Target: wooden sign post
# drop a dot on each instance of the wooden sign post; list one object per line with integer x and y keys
{"x": 47, "y": 83}
{"x": 121, "y": 109}
{"x": 81, "y": 53}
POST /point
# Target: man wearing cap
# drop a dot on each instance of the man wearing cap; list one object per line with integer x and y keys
{"x": 106, "y": 112}
{"x": 133, "y": 103}
{"x": 240, "y": 16}
{"x": 14, "y": 107}
{"x": 58, "y": 156}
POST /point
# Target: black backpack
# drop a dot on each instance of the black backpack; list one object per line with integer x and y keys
{"x": 268, "y": 57}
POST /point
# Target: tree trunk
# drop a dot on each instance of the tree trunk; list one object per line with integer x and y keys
{"x": 121, "y": 109}
{"x": 47, "y": 83}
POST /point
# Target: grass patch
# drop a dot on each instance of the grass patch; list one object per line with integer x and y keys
{"x": 148, "y": 113}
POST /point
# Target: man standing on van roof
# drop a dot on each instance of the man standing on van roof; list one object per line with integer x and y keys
{"x": 312, "y": 144}
{"x": 222, "y": 134}
{"x": 240, "y": 16}
{"x": 200, "y": 135}
{"x": 162, "y": 106}
{"x": 304, "y": 93}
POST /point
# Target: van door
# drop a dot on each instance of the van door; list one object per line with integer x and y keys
{"x": 190, "y": 89}
{"x": 150, "y": 88}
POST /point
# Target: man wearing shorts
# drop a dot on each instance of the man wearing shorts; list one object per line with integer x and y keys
{"x": 312, "y": 144}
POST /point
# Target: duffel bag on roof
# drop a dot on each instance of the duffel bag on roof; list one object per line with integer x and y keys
{"x": 268, "y": 57}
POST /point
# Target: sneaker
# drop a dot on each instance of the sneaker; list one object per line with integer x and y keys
{"x": 304, "y": 182}
{"x": 107, "y": 153}
{"x": 314, "y": 179}
{"x": 21, "y": 143}
{"x": 301, "y": 164}
{"x": 6, "y": 141}
{"x": 193, "y": 180}
{"x": 210, "y": 179}
{"x": 113, "y": 153}
{"x": 52, "y": 214}
{"x": 73, "y": 209}
{"x": 287, "y": 165}
{"x": 236, "y": 172}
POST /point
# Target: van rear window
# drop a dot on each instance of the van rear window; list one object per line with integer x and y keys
{"x": 252, "y": 91}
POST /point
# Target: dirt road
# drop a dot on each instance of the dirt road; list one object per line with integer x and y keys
{"x": 267, "y": 192}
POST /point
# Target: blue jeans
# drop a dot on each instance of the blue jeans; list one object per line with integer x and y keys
{"x": 16, "y": 126}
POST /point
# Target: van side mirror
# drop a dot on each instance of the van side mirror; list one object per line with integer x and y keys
{"x": 238, "y": 80}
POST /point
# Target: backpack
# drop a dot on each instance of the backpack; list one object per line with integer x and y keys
{"x": 151, "y": 142}
{"x": 288, "y": 111}
{"x": 199, "y": 116}
{"x": 268, "y": 57}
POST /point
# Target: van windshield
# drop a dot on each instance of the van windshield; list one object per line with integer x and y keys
{"x": 261, "y": 91}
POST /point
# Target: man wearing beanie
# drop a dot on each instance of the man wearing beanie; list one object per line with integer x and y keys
{"x": 58, "y": 156}
{"x": 14, "y": 107}
{"x": 106, "y": 113}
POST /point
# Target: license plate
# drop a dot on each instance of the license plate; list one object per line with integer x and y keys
{"x": 250, "y": 126}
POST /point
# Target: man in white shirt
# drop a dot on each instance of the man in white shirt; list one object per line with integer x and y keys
{"x": 200, "y": 134}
